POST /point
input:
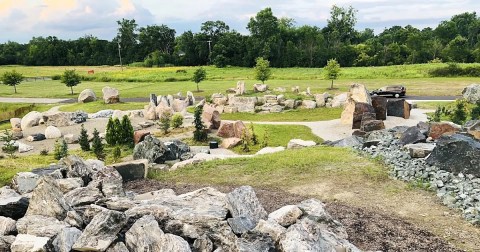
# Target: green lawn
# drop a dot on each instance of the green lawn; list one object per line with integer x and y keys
{"x": 295, "y": 115}
{"x": 93, "y": 107}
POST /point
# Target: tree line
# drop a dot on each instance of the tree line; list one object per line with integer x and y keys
{"x": 278, "y": 40}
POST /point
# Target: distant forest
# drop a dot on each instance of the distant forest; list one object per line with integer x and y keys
{"x": 276, "y": 39}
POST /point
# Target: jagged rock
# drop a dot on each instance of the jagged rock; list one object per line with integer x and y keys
{"x": 260, "y": 88}
{"x": 286, "y": 215}
{"x": 65, "y": 239}
{"x": 315, "y": 210}
{"x": 472, "y": 93}
{"x": 83, "y": 196}
{"x": 371, "y": 125}
{"x": 101, "y": 231}
{"x": 111, "y": 182}
{"x": 339, "y": 100}
{"x": 256, "y": 242}
{"x": 61, "y": 119}
{"x": 68, "y": 184}
{"x": 473, "y": 128}
{"x": 120, "y": 204}
{"x": 160, "y": 212}
{"x": 150, "y": 112}
{"x": 118, "y": 247}
{"x": 243, "y": 202}
{"x": 160, "y": 194}
{"x": 270, "y": 228}
{"x": 356, "y": 115}
{"x": 31, "y": 243}
{"x": 40, "y": 225}
{"x": 106, "y": 113}
{"x": 31, "y": 119}
{"x": 87, "y": 95}
{"x": 52, "y": 132}
{"x": 132, "y": 170}
{"x": 244, "y": 104}
{"x": 457, "y": 153}
{"x": 7, "y": 226}
{"x": 420, "y": 150}
{"x": 230, "y": 142}
{"x": 16, "y": 123}
{"x": 222, "y": 236}
{"x": 110, "y": 95}
{"x": 25, "y": 182}
{"x": 47, "y": 200}
{"x": 77, "y": 168}
{"x": 89, "y": 212}
{"x": 144, "y": 235}
{"x": 210, "y": 117}
{"x": 176, "y": 149}
{"x": 6, "y": 242}
{"x": 36, "y": 137}
{"x": 229, "y": 129}
{"x": 299, "y": 144}
{"x": 203, "y": 244}
{"x": 74, "y": 219}
{"x": 351, "y": 141}
{"x": 12, "y": 204}
{"x": 398, "y": 108}
{"x": 307, "y": 104}
{"x": 190, "y": 98}
{"x": 241, "y": 225}
{"x": 412, "y": 135}
{"x": 379, "y": 104}
{"x": 219, "y": 99}
{"x": 438, "y": 129}
{"x": 151, "y": 149}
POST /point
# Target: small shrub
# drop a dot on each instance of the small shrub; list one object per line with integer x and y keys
{"x": 437, "y": 115}
{"x": 127, "y": 132}
{"x": 110, "y": 135}
{"x": 9, "y": 144}
{"x": 177, "y": 121}
{"x": 459, "y": 113}
{"x": 253, "y": 136}
{"x": 60, "y": 149}
{"x": 265, "y": 139}
{"x": 476, "y": 111}
{"x": 56, "y": 77}
{"x": 164, "y": 121}
{"x": 97, "y": 145}
{"x": 44, "y": 152}
{"x": 199, "y": 134}
{"x": 117, "y": 153}
{"x": 83, "y": 139}
{"x": 245, "y": 141}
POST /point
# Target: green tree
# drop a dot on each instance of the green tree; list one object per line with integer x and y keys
{"x": 8, "y": 145}
{"x": 97, "y": 145}
{"x": 459, "y": 113}
{"x": 71, "y": 79}
{"x": 332, "y": 70}
{"x": 127, "y": 132}
{"x": 264, "y": 30}
{"x": 457, "y": 50}
{"x": 60, "y": 149}
{"x": 83, "y": 139}
{"x": 117, "y": 153}
{"x": 117, "y": 131}
{"x": 165, "y": 120}
{"x": 253, "y": 136}
{"x": 262, "y": 70}
{"x": 199, "y": 134}
{"x": 12, "y": 78}
{"x": 110, "y": 134}
{"x": 199, "y": 75}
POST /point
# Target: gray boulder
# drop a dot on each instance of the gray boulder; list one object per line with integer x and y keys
{"x": 87, "y": 95}
{"x": 101, "y": 231}
{"x": 286, "y": 215}
{"x": 458, "y": 154}
{"x": 83, "y": 196}
{"x": 203, "y": 244}
{"x": 243, "y": 202}
{"x": 144, "y": 235}
{"x": 472, "y": 93}
{"x": 256, "y": 242}
{"x": 7, "y": 226}
{"x": 12, "y": 204}
{"x": 270, "y": 228}
{"x": 40, "y": 225}
{"x": 47, "y": 200}
{"x": 241, "y": 225}
{"x": 110, "y": 181}
{"x": 132, "y": 170}
{"x": 68, "y": 184}
{"x": 65, "y": 239}
{"x": 118, "y": 247}
{"x": 25, "y": 182}
{"x": 412, "y": 135}
{"x": 176, "y": 149}
{"x": 110, "y": 95}
{"x": 25, "y": 242}
{"x": 351, "y": 141}
{"x": 31, "y": 119}
{"x": 6, "y": 242}
{"x": 151, "y": 149}
{"x": 77, "y": 168}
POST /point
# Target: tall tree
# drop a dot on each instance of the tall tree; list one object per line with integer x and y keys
{"x": 70, "y": 78}
{"x": 155, "y": 37}
{"x": 127, "y": 39}
{"x": 12, "y": 78}
{"x": 332, "y": 70}
{"x": 264, "y": 30}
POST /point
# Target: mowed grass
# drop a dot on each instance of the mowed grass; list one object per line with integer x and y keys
{"x": 278, "y": 135}
{"x": 294, "y": 115}
{"x": 281, "y": 170}
{"x": 96, "y": 106}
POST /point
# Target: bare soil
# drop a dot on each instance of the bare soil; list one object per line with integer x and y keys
{"x": 367, "y": 229}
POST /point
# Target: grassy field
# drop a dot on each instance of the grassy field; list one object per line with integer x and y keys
{"x": 294, "y": 115}
{"x": 140, "y": 82}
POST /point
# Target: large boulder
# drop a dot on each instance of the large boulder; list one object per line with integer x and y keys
{"x": 307, "y": 104}
{"x": 240, "y": 90}
{"x": 260, "y": 88}
{"x": 176, "y": 149}
{"x": 139, "y": 136}
{"x": 353, "y": 113}
{"x": 379, "y": 104}
{"x": 40, "y": 225}
{"x": 31, "y": 119}
{"x": 219, "y": 99}
{"x": 243, "y": 202}
{"x": 25, "y": 242}
{"x": 101, "y": 231}
{"x": 52, "y": 132}
{"x": 87, "y": 95}
{"x": 150, "y": 111}
{"x": 231, "y": 129}
{"x": 286, "y": 215}
{"x": 179, "y": 105}
{"x": 83, "y": 196}
{"x": 438, "y": 129}
{"x": 398, "y": 108}
{"x": 66, "y": 238}
{"x": 244, "y": 104}
{"x": 339, "y": 100}
{"x": 420, "y": 150}
{"x": 151, "y": 149}
{"x": 371, "y": 125}
{"x": 110, "y": 95}
{"x": 25, "y": 182}
{"x": 458, "y": 154}
{"x": 7, "y": 226}
{"x": 358, "y": 93}
{"x": 16, "y": 123}
{"x": 211, "y": 117}
{"x": 132, "y": 170}
{"x": 47, "y": 200}
{"x": 62, "y": 119}
{"x": 412, "y": 135}
{"x": 12, "y": 204}
{"x": 472, "y": 93}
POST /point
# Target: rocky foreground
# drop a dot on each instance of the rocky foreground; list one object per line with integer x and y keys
{"x": 82, "y": 206}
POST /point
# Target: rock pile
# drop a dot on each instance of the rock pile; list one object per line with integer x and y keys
{"x": 450, "y": 165}
{"x": 82, "y": 206}
{"x": 166, "y": 104}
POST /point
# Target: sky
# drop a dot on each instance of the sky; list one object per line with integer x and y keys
{"x": 20, "y": 20}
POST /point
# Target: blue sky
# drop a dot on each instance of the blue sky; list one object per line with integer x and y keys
{"x": 20, "y": 20}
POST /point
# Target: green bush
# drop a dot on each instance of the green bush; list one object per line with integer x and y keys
{"x": 60, "y": 149}
{"x": 56, "y": 77}
{"x": 459, "y": 113}
{"x": 476, "y": 111}
{"x": 117, "y": 153}
{"x": 83, "y": 139}
{"x": 454, "y": 70}
{"x": 127, "y": 132}
{"x": 177, "y": 121}
{"x": 164, "y": 121}
{"x": 97, "y": 145}
{"x": 199, "y": 134}
{"x": 8, "y": 146}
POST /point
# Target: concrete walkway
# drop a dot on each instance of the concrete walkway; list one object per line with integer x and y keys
{"x": 32, "y": 100}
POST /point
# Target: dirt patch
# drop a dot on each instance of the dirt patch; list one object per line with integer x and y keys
{"x": 367, "y": 229}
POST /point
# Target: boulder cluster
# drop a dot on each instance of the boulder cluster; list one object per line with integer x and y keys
{"x": 442, "y": 157}
{"x": 81, "y": 205}
{"x": 160, "y": 105}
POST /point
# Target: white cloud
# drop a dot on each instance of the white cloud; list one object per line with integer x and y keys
{"x": 22, "y": 19}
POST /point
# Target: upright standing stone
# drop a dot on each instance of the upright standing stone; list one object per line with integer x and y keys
{"x": 110, "y": 95}
{"x": 153, "y": 99}
{"x": 379, "y": 104}
{"x": 398, "y": 108}
{"x": 240, "y": 90}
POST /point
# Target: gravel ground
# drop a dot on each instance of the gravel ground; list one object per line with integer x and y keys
{"x": 366, "y": 229}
